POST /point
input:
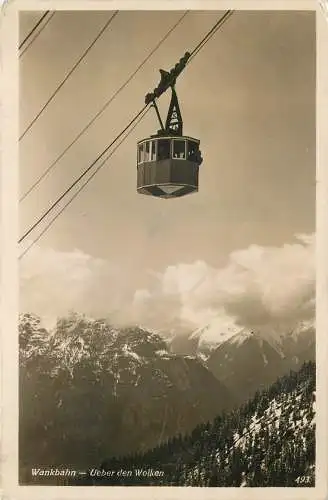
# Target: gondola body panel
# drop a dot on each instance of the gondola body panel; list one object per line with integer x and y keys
{"x": 168, "y": 167}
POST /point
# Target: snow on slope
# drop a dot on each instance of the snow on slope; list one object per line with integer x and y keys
{"x": 271, "y": 439}
{"x": 221, "y": 330}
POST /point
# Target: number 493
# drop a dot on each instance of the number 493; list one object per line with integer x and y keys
{"x": 303, "y": 480}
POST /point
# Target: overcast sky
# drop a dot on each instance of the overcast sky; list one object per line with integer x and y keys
{"x": 249, "y": 96}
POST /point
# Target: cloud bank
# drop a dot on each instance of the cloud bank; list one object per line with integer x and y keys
{"x": 53, "y": 283}
{"x": 258, "y": 286}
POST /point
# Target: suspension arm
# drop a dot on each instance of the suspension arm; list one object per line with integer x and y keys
{"x": 168, "y": 79}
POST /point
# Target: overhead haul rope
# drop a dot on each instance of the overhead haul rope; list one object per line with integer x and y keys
{"x": 78, "y": 62}
{"x": 211, "y": 33}
{"x": 85, "y": 183}
{"x": 157, "y": 91}
{"x": 103, "y": 108}
{"x": 33, "y": 30}
{"x": 84, "y": 173}
{"x": 37, "y": 34}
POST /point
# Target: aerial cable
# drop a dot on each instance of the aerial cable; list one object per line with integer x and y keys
{"x": 33, "y": 29}
{"x": 148, "y": 101}
{"x": 81, "y": 176}
{"x": 212, "y": 32}
{"x": 104, "y": 107}
{"x": 38, "y": 33}
{"x": 168, "y": 79}
{"x": 37, "y": 116}
{"x": 145, "y": 111}
{"x": 205, "y": 39}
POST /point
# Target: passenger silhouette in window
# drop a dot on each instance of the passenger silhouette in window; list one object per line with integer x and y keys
{"x": 179, "y": 150}
{"x": 193, "y": 152}
{"x": 147, "y": 151}
{"x": 163, "y": 149}
{"x": 140, "y": 153}
{"x": 153, "y": 151}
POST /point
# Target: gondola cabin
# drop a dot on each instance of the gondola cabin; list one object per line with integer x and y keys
{"x": 168, "y": 162}
{"x": 167, "y": 166}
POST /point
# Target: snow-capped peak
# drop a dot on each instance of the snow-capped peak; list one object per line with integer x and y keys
{"x": 240, "y": 337}
{"x": 216, "y": 332}
{"x": 302, "y": 327}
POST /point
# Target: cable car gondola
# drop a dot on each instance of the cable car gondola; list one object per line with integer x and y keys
{"x": 168, "y": 162}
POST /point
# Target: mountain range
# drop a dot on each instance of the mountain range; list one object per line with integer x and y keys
{"x": 246, "y": 360}
{"x": 90, "y": 390}
{"x": 268, "y": 441}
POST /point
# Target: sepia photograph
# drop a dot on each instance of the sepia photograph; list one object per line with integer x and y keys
{"x": 167, "y": 248}
{"x": 167, "y": 271}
